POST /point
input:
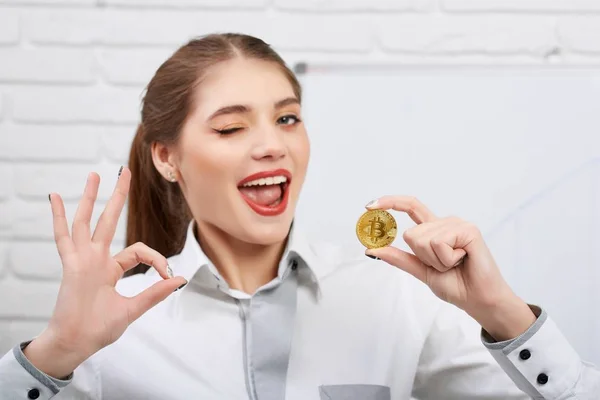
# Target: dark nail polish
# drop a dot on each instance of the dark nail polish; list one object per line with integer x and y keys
{"x": 50, "y": 198}
{"x": 180, "y": 287}
{"x": 373, "y": 257}
{"x": 462, "y": 260}
{"x": 120, "y": 170}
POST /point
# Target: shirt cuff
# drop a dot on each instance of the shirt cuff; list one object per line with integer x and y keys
{"x": 52, "y": 383}
{"x": 492, "y": 344}
{"x": 541, "y": 361}
{"x": 21, "y": 380}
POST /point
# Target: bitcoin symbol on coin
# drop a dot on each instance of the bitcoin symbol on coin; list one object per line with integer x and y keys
{"x": 376, "y": 228}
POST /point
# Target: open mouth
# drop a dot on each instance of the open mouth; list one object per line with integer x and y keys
{"x": 266, "y": 192}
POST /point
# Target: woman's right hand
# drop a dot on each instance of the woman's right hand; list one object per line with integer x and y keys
{"x": 89, "y": 313}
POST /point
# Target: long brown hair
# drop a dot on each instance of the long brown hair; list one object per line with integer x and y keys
{"x": 158, "y": 214}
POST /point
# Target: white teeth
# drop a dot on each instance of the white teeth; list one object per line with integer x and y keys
{"x": 272, "y": 180}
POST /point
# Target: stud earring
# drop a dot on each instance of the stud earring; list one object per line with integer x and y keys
{"x": 171, "y": 176}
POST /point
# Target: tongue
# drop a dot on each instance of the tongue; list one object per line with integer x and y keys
{"x": 262, "y": 195}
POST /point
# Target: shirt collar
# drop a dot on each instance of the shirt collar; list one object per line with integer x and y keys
{"x": 192, "y": 262}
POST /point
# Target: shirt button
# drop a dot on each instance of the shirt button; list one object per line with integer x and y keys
{"x": 525, "y": 354}
{"x": 33, "y": 394}
{"x": 542, "y": 379}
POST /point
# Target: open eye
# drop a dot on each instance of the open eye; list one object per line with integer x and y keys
{"x": 288, "y": 120}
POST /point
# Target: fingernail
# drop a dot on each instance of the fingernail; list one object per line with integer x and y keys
{"x": 371, "y": 203}
{"x": 120, "y": 170}
{"x": 169, "y": 271}
{"x": 181, "y": 287}
{"x": 373, "y": 257}
{"x": 50, "y": 198}
{"x": 460, "y": 261}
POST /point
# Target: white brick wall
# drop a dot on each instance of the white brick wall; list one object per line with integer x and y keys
{"x": 72, "y": 71}
{"x": 496, "y": 34}
{"x": 522, "y": 5}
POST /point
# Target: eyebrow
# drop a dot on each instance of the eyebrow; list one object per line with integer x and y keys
{"x": 286, "y": 102}
{"x": 243, "y": 109}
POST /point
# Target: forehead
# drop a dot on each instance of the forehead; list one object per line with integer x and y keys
{"x": 255, "y": 83}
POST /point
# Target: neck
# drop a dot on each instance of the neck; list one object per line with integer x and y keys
{"x": 245, "y": 266}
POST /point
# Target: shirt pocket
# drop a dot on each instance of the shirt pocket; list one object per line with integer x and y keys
{"x": 354, "y": 392}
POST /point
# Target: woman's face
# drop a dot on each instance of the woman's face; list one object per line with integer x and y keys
{"x": 243, "y": 152}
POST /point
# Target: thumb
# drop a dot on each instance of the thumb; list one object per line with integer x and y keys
{"x": 401, "y": 259}
{"x": 150, "y": 297}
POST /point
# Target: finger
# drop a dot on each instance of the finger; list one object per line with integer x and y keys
{"x": 64, "y": 244}
{"x": 421, "y": 242}
{"x": 83, "y": 215}
{"x": 107, "y": 223}
{"x": 139, "y": 253}
{"x": 410, "y": 205}
{"x": 403, "y": 260}
{"x": 445, "y": 244}
{"x": 415, "y": 234}
{"x": 150, "y": 297}
{"x": 418, "y": 238}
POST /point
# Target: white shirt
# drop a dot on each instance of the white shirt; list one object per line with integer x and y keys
{"x": 333, "y": 325}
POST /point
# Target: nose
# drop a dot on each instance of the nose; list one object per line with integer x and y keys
{"x": 270, "y": 144}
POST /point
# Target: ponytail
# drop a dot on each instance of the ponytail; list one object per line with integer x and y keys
{"x": 157, "y": 212}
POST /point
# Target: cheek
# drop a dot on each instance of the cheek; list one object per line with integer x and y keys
{"x": 203, "y": 169}
{"x": 300, "y": 150}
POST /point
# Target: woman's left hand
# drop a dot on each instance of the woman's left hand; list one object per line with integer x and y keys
{"x": 451, "y": 257}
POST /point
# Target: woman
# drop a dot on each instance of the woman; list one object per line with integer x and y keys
{"x": 215, "y": 171}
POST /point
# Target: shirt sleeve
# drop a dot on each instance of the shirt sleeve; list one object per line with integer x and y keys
{"x": 454, "y": 365}
{"x": 19, "y": 379}
{"x": 543, "y": 364}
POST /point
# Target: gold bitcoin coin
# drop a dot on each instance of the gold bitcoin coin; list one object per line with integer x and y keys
{"x": 376, "y": 228}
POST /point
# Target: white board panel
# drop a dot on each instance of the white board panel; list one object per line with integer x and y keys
{"x": 515, "y": 151}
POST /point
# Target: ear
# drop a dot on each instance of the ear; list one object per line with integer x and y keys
{"x": 164, "y": 159}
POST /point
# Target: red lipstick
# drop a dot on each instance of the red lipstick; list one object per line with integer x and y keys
{"x": 266, "y": 174}
{"x": 266, "y": 210}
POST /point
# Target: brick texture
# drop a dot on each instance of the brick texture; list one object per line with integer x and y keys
{"x": 46, "y": 65}
{"x": 9, "y": 28}
{"x": 580, "y": 34}
{"x": 464, "y": 35}
{"x": 521, "y": 5}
